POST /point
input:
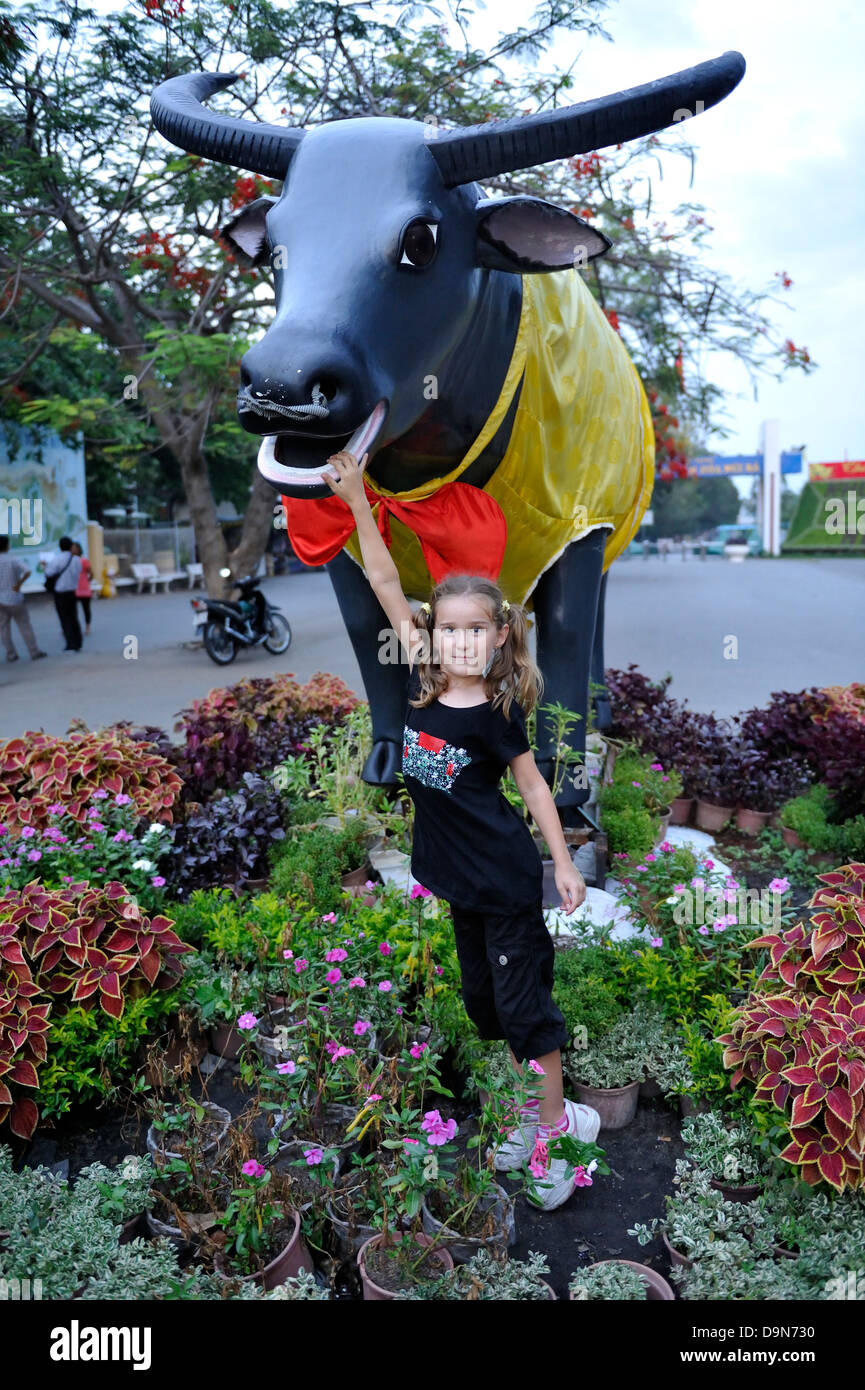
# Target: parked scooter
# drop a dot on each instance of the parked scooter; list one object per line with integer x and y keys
{"x": 249, "y": 621}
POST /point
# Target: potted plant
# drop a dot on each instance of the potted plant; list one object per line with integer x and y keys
{"x": 699, "y": 1218}
{"x": 357, "y": 1205}
{"x": 191, "y": 1129}
{"x": 261, "y": 1239}
{"x": 484, "y": 1277}
{"x": 737, "y": 549}
{"x": 619, "y": 1281}
{"x": 728, "y": 1153}
{"x": 465, "y": 1209}
{"x": 187, "y": 1200}
{"x": 607, "y": 1073}
{"x": 716, "y": 778}
{"x": 392, "y": 1261}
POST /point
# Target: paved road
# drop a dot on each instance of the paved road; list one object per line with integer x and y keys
{"x": 797, "y": 623}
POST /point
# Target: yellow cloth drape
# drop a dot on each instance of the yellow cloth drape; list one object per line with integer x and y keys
{"x": 581, "y": 452}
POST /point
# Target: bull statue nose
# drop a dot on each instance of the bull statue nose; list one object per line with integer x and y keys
{"x": 320, "y": 392}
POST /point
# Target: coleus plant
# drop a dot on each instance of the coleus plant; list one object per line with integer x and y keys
{"x": 803, "y": 1046}
{"x": 39, "y": 771}
{"x": 87, "y": 943}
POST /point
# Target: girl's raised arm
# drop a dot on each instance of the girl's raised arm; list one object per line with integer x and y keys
{"x": 347, "y": 482}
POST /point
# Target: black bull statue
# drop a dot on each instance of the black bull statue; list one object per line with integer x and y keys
{"x": 450, "y": 337}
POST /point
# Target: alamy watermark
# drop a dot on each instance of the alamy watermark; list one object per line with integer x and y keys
{"x": 730, "y": 906}
{"x": 22, "y": 518}
{"x": 20, "y": 1290}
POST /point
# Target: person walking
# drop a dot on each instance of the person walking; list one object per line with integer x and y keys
{"x": 83, "y": 591}
{"x": 471, "y": 683}
{"x": 13, "y": 572}
{"x": 61, "y": 579}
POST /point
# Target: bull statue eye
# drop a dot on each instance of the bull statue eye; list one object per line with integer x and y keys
{"x": 419, "y": 244}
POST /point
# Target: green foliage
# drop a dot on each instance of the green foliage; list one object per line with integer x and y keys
{"x": 308, "y": 864}
{"x": 590, "y": 989}
{"x": 810, "y": 816}
{"x": 612, "y": 1280}
{"x": 91, "y": 1056}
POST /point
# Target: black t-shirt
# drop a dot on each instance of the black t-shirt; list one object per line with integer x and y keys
{"x": 471, "y": 847}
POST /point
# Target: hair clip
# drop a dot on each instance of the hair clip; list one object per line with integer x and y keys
{"x": 506, "y": 606}
{"x": 426, "y": 608}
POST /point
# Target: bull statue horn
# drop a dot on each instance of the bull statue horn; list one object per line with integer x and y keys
{"x": 471, "y": 154}
{"x": 179, "y": 115}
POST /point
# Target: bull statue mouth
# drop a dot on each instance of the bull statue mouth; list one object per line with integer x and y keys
{"x": 293, "y": 459}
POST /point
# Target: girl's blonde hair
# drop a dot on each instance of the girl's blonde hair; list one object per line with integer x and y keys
{"x": 512, "y": 676}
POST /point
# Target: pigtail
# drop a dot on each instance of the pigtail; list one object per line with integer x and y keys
{"x": 513, "y": 675}
{"x": 432, "y": 681}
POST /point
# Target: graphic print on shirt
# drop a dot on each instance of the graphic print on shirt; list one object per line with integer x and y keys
{"x": 432, "y": 761}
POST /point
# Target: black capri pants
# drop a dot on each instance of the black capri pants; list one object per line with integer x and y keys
{"x": 506, "y": 963}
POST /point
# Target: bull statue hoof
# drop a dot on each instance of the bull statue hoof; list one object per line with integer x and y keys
{"x": 383, "y": 767}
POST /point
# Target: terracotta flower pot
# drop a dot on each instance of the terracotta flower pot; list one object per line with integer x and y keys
{"x": 711, "y": 815}
{"x": 751, "y": 822}
{"x": 744, "y": 1192}
{"x": 663, "y": 824}
{"x": 463, "y": 1247}
{"x": 225, "y": 1041}
{"x": 616, "y": 1106}
{"x": 791, "y": 839}
{"x": 659, "y": 1290}
{"x": 293, "y": 1258}
{"x": 355, "y": 878}
{"x": 680, "y": 810}
{"x": 677, "y": 1259}
{"x": 373, "y": 1292}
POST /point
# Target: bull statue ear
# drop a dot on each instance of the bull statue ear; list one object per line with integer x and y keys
{"x": 246, "y": 233}
{"x": 527, "y": 235}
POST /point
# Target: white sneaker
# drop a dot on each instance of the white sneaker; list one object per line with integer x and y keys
{"x": 517, "y": 1146}
{"x": 557, "y": 1183}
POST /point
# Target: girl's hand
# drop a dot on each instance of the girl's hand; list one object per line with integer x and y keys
{"x": 346, "y": 477}
{"x": 572, "y": 886}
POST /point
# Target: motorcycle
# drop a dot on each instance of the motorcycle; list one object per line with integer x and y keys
{"x": 249, "y": 621}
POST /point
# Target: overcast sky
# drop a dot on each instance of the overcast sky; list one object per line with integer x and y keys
{"x": 779, "y": 166}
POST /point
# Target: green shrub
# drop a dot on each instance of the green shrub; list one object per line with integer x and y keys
{"x": 630, "y": 830}
{"x": 810, "y": 815}
{"x": 309, "y": 864}
{"x": 590, "y": 989}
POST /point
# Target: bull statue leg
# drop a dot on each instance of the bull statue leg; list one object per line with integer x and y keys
{"x": 569, "y": 617}
{"x": 385, "y": 683}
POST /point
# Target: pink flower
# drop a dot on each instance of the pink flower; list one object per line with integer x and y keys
{"x": 620, "y": 854}
{"x": 122, "y": 837}
{"x": 539, "y": 1159}
{"x": 656, "y": 767}
{"x": 697, "y": 883}
{"x": 720, "y": 925}
{"x": 288, "y": 955}
{"x": 708, "y": 864}
{"x": 357, "y": 982}
{"x": 384, "y": 949}
{"x": 372, "y": 1098}
{"x": 333, "y": 976}
{"x": 247, "y": 1021}
{"x": 300, "y": 966}
{"x": 158, "y": 881}
{"x": 536, "y": 1067}
{"x": 341, "y": 1052}
{"x": 420, "y": 892}
{"x": 313, "y": 1156}
{"x": 665, "y": 778}
{"x": 636, "y": 784}
{"x": 650, "y": 858}
{"x": 437, "y": 1131}
{"x": 96, "y": 825}
{"x": 253, "y": 1169}
{"x": 640, "y": 869}
{"x": 679, "y": 888}
{"x": 287, "y": 1068}
{"x": 27, "y": 832}
{"x": 704, "y": 931}
{"x": 418, "y": 1049}
{"x": 329, "y": 917}
{"x": 731, "y": 919}
{"x": 121, "y": 799}
{"x": 779, "y": 885}
{"x": 336, "y": 954}
{"x": 581, "y": 1177}
{"x": 360, "y": 1028}
{"x": 410, "y": 1141}
{"x": 729, "y": 895}
{"x": 370, "y": 886}
{"x": 385, "y": 986}
{"x": 657, "y": 941}
{"x": 439, "y": 970}
{"x": 398, "y": 1009}
{"x": 665, "y": 847}
{"x": 56, "y": 809}
{"x": 34, "y": 854}
{"x": 99, "y": 796}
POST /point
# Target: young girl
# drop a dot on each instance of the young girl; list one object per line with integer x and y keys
{"x": 471, "y": 683}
